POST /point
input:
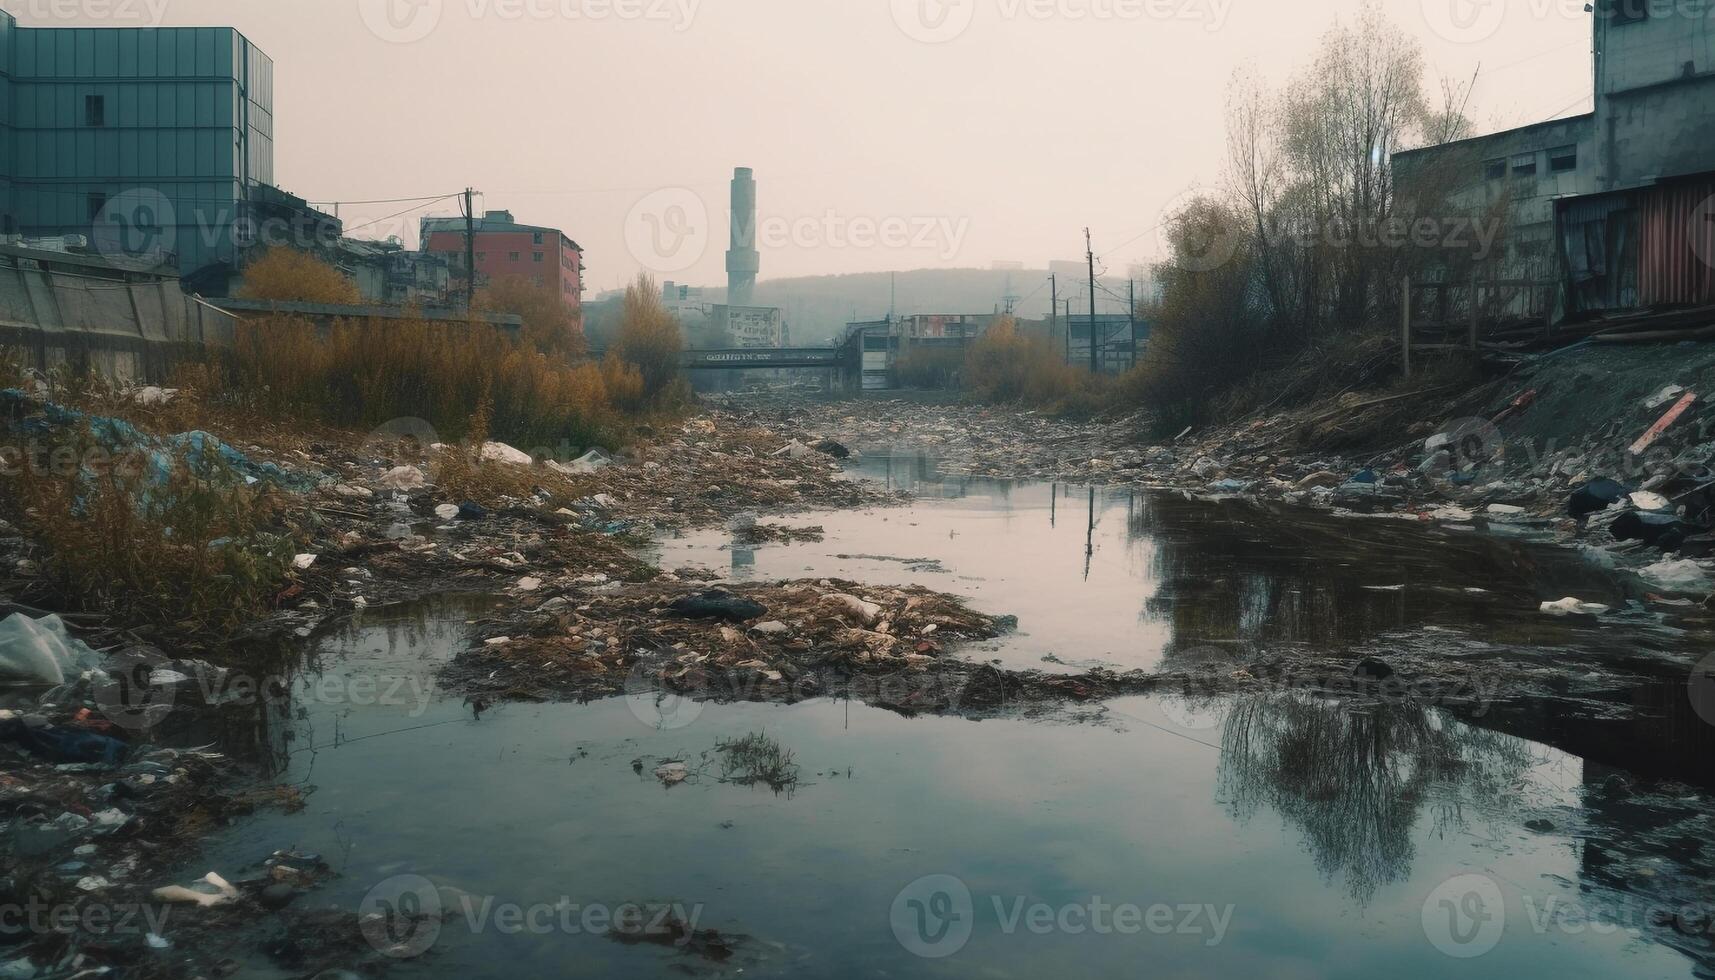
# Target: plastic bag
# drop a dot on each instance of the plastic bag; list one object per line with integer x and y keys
{"x": 40, "y": 652}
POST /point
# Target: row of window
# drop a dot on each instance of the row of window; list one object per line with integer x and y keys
{"x": 519, "y": 257}
{"x": 1561, "y": 160}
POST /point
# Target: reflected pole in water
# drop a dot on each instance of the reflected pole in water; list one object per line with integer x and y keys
{"x": 1090, "y": 536}
{"x": 1053, "y": 505}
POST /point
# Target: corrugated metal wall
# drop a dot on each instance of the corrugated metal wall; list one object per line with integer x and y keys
{"x": 1676, "y": 244}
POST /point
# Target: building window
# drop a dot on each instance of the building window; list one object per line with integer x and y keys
{"x": 514, "y": 256}
{"x": 97, "y": 201}
{"x": 538, "y": 257}
{"x": 1495, "y": 169}
{"x": 1524, "y": 165}
{"x": 1623, "y": 12}
{"x": 1563, "y": 160}
{"x": 482, "y": 256}
{"x": 536, "y": 239}
{"x": 95, "y": 110}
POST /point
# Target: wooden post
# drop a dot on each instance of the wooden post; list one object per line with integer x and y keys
{"x": 1405, "y": 325}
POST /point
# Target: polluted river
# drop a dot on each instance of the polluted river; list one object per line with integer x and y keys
{"x": 1549, "y": 817}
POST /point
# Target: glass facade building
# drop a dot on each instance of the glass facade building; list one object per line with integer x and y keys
{"x": 106, "y": 131}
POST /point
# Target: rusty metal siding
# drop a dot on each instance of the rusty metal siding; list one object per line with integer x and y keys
{"x": 1676, "y": 244}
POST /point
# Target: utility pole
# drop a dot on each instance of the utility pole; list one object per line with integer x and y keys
{"x": 1090, "y": 250}
{"x": 1054, "y": 315}
{"x": 1131, "y": 317}
{"x": 470, "y": 249}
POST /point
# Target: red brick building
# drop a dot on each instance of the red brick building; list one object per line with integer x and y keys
{"x": 505, "y": 248}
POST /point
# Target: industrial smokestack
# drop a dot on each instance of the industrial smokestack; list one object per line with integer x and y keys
{"x": 742, "y": 261}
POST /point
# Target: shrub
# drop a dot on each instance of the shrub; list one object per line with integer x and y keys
{"x": 1009, "y": 365}
{"x": 649, "y": 340}
{"x": 197, "y": 550}
{"x": 290, "y": 276}
{"x": 549, "y": 325}
{"x": 930, "y": 369}
{"x": 360, "y": 375}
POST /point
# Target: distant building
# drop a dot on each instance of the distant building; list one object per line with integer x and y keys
{"x": 545, "y": 256}
{"x": 749, "y": 326}
{"x": 1114, "y": 334}
{"x": 688, "y": 303}
{"x": 1612, "y": 209}
{"x": 388, "y": 274}
{"x": 151, "y": 143}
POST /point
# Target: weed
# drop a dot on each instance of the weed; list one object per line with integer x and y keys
{"x": 757, "y": 760}
{"x": 183, "y": 545}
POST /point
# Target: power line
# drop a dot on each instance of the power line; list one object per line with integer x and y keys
{"x": 396, "y": 200}
{"x": 400, "y": 214}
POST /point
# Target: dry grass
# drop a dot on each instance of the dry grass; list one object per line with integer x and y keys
{"x": 189, "y": 549}
{"x": 360, "y": 376}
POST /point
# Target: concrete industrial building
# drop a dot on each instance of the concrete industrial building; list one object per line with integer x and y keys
{"x": 546, "y": 256}
{"x": 146, "y": 141}
{"x": 1609, "y": 210}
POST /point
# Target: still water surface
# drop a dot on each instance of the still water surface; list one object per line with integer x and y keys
{"x": 1268, "y": 835}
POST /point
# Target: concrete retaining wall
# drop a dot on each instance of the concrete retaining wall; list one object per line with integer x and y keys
{"x": 127, "y": 331}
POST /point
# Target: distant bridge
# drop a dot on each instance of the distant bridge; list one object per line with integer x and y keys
{"x": 758, "y": 358}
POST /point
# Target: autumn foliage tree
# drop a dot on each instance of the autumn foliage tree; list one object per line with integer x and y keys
{"x": 549, "y": 324}
{"x": 649, "y": 339}
{"x": 289, "y": 276}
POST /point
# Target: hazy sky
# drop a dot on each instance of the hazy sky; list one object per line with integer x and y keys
{"x": 885, "y": 134}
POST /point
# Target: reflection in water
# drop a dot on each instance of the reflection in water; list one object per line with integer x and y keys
{"x": 1355, "y": 782}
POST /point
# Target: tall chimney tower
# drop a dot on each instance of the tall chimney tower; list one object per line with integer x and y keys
{"x": 742, "y": 261}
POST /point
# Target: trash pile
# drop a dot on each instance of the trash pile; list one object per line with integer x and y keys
{"x": 718, "y": 465}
